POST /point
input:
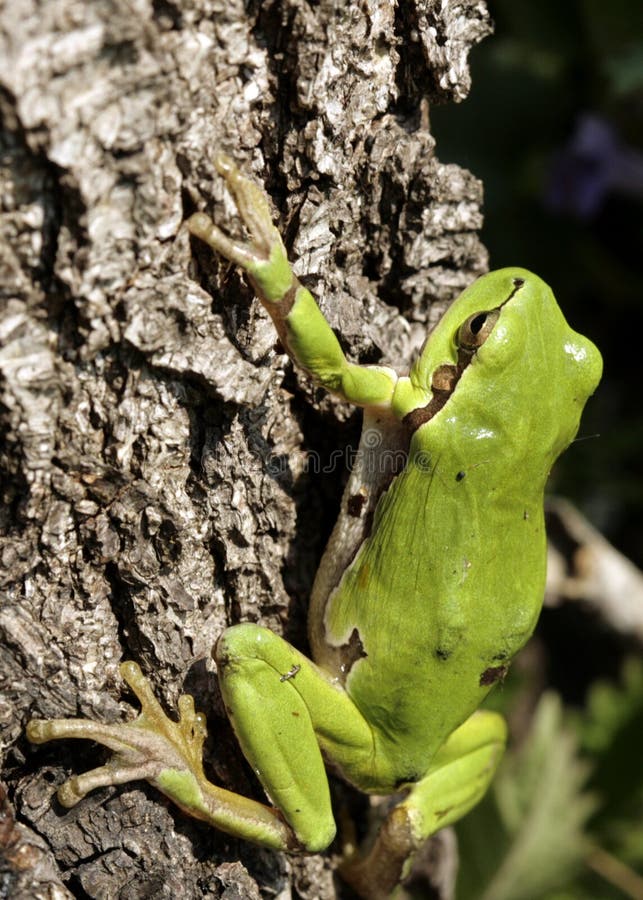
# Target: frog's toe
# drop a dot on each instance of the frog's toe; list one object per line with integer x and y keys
{"x": 78, "y": 786}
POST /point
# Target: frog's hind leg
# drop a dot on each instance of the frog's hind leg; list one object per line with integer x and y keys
{"x": 283, "y": 709}
{"x": 168, "y": 755}
{"x": 457, "y": 779}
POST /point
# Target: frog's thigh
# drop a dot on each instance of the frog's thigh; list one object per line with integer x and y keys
{"x": 457, "y": 779}
{"x": 282, "y": 707}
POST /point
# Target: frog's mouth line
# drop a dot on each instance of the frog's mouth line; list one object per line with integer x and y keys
{"x": 446, "y": 377}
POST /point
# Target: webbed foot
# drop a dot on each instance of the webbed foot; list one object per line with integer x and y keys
{"x": 168, "y": 754}
{"x": 143, "y": 749}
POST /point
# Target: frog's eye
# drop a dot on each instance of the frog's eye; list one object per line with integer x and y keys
{"x": 475, "y": 330}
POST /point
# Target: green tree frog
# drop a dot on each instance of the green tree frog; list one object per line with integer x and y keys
{"x": 432, "y": 581}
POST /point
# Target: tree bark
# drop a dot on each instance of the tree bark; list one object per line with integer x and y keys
{"x": 160, "y": 461}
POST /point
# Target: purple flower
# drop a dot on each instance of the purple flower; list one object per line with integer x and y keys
{"x": 592, "y": 165}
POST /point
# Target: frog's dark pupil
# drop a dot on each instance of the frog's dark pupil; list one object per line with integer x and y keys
{"x": 477, "y": 323}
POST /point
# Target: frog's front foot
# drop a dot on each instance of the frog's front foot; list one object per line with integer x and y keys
{"x": 264, "y": 256}
{"x": 146, "y": 748}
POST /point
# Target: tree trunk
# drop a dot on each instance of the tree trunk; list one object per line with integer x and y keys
{"x": 164, "y": 472}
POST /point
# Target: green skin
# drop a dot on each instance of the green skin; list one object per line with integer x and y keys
{"x": 412, "y": 619}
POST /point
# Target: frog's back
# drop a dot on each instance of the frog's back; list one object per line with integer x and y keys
{"x": 436, "y": 607}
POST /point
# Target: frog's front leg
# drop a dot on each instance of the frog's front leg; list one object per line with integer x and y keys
{"x": 283, "y": 709}
{"x": 303, "y": 330}
{"x": 457, "y": 779}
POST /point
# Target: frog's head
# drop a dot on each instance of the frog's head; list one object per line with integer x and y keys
{"x": 503, "y": 362}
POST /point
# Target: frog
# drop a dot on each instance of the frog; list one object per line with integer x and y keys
{"x": 433, "y": 578}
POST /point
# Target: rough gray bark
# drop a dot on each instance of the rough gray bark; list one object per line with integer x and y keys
{"x": 153, "y": 442}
